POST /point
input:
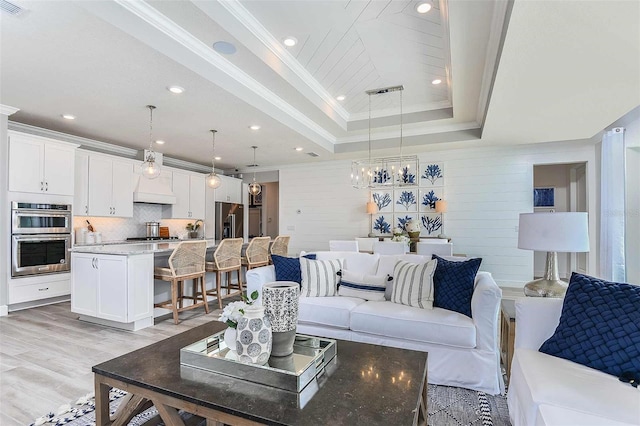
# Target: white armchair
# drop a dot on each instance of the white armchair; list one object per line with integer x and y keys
{"x": 390, "y": 247}
{"x": 430, "y": 248}
{"x": 343, "y": 245}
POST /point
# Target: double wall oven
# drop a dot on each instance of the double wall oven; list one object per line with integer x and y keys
{"x": 40, "y": 238}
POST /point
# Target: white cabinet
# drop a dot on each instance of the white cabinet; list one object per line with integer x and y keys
{"x": 189, "y": 189}
{"x": 110, "y": 187}
{"x": 81, "y": 187}
{"x": 114, "y": 288}
{"x": 230, "y": 191}
{"x": 40, "y": 165}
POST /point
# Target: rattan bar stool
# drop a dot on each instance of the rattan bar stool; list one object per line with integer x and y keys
{"x": 185, "y": 263}
{"x": 257, "y": 253}
{"x": 280, "y": 246}
{"x": 226, "y": 259}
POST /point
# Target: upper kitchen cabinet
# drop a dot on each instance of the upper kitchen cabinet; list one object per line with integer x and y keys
{"x": 81, "y": 191}
{"x": 189, "y": 189}
{"x": 109, "y": 188}
{"x": 230, "y": 191}
{"x": 40, "y": 165}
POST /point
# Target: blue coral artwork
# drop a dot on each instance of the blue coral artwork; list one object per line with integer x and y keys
{"x": 383, "y": 200}
{"x": 428, "y": 198}
{"x": 406, "y": 200}
{"x": 382, "y": 177}
{"x": 382, "y": 224}
{"x": 406, "y": 177}
{"x": 402, "y": 219}
{"x": 432, "y": 174}
{"x": 431, "y": 224}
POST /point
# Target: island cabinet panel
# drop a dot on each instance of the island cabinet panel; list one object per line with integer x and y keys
{"x": 189, "y": 189}
{"x": 40, "y": 165}
{"x": 116, "y": 288}
{"x": 110, "y": 187}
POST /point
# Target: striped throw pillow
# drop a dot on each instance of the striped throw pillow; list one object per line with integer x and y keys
{"x": 319, "y": 277}
{"x": 413, "y": 284}
{"x": 367, "y": 287}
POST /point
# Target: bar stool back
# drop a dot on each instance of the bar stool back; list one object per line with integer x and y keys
{"x": 226, "y": 259}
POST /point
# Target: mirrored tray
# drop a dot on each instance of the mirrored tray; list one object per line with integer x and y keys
{"x": 293, "y": 373}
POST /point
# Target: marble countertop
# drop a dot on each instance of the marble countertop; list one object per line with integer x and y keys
{"x": 130, "y": 249}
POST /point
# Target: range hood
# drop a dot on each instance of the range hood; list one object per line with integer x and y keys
{"x": 154, "y": 191}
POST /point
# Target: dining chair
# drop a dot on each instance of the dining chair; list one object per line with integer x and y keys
{"x": 226, "y": 259}
{"x": 187, "y": 262}
{"x": 343, "y": 245}
{"x": 430, "y": 248}
{"x": 280, "y": 246}
{"x": 390, "y": 247}
{"x": 365, "y": 244}
{"x": 257, "y": 253}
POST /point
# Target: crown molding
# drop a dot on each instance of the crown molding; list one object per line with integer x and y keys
{"x": 169, "y": 28}
{"x": 418, "y": 131}
{"x": 244, "y": 17}
{"x": 390, "y": 112}
{"x": 8, "y": 110}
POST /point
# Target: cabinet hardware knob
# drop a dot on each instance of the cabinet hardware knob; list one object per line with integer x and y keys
{"x": 41, "y": 186}
{"x": 46, "y": 186}
{"x": 86, "y": 209}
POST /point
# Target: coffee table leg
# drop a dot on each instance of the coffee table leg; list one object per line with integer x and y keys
{"x": 102, "y": 402}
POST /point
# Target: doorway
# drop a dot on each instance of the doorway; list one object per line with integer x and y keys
{"x": 569, "y": 185}
{"x": 263, "y": 212}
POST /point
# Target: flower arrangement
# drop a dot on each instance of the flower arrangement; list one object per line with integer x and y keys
{"x": 232, "y": 313}
{"x": 401, "y": 238}
{"x": 192, "y": 227}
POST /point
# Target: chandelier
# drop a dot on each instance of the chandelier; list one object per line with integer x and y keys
{"x": 213, "y": 180}
{"x": 382, "y": 172}
{"x": 254, "y": 187}
{"x": 150, "y": 168}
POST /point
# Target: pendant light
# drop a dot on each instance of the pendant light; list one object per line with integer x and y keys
{"x": 254, "y": 187}
{"x": 213, "y": 180}
{"x": 150, "y": 169}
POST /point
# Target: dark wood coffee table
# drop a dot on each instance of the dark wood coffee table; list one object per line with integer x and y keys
{"x": 369, "y": 384}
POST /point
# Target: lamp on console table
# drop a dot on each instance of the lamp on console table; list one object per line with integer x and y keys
{"x": 565, "y": 232}
{"x": 441, "y": 207}
{"x": 372, "y": 208}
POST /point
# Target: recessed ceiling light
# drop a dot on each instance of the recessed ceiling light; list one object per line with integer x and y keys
{"x": 68, "y": 116}
{"x": 160, "y": 142}
{"x": 299, "y": 148}
{"x": 423, "y": 7}
{"x": 290, "y": 41}
{"x": 217, "y": 158}
{"x": 436, "y": 81}
{"x": 341, "y": 98}
{"x": 254, "y": 127}
{"x": 224, "y": 47}
{"x": 175, "y": 89}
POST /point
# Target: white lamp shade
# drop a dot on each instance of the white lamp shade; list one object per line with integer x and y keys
{"x": 559, "y": 232}
{"x": 441, "y": 206}
{"x": 372, "y": 208}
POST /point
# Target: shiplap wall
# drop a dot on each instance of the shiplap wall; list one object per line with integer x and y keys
{"x": 486, "y": 189}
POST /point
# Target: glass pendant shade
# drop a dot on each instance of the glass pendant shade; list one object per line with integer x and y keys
{"x": 150, "y": 169}
{"x": 213, "y": 180}
{"x": 255, "y": 188}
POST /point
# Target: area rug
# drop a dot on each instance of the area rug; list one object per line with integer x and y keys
{"x": 446, "y": 406}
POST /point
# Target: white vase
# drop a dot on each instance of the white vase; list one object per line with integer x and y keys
{"x": 230, "y": 338}
{"x": 253, "y": 339}
{"x": 280, "y": 301}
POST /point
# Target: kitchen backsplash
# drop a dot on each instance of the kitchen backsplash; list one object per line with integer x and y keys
{"x": 118, "y": 229}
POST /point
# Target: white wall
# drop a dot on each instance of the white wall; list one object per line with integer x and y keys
{"x": 632, "y": 199}
{"x": 486, "y": 189}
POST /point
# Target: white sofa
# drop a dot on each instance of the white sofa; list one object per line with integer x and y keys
{"x": 462, "y": 351}
{"x": 548, "y": 391}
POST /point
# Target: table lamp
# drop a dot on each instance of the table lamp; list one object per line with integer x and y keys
{"x": 565, "y": 232}
{"x": 441, "y": 207}
{"x": 372, "y": 208}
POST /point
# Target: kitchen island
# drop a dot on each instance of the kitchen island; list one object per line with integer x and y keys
{"x": 113, "y": 284}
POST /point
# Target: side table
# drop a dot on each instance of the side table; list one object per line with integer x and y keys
{"x": 507, "y": 332}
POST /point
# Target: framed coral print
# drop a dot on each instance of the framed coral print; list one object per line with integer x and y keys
{"x": 400, "y": 220}
{"x": 428, "y": 198}
{"x": 384, "y": 200}
{"x": 431, "y": 224}
{"x": 432, "y": 174}
{"x": 382, "y": 224}
{"x": 544, "y": 197}
{"x": 405, "y": 200}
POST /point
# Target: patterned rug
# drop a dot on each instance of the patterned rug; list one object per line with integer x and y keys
{"x": 446, "y": 406}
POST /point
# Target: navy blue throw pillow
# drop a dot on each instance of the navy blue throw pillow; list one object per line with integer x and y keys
{"x": 599, "y": 326}
{"x": 453, "y": 284}
{"x": 288, "y": 268}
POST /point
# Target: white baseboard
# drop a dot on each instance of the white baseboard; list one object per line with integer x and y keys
{"x": 4, "y": 310}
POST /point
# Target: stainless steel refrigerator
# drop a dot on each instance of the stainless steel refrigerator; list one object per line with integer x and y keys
{"x": 229, "y": 220}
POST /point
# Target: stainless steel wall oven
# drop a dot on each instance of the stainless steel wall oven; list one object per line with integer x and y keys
{"x": 40, "y": 238}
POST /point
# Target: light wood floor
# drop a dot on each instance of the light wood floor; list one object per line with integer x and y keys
{"x": 46, "y": 355}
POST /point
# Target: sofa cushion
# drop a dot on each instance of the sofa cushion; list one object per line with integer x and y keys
{"x": 388, "y": 261}
{"x": 367, "y": 287}
{"x": 453, "y": 283}
{"x": 599, "y": 326}
{"x": 421, "y": 325}
{"x": 550, "y": 415}
{"x": 319, "y": 277}
{"x": 288, "y": 268}
{"x": 327, "y": 311}
{"x": 361, "y": 263}
{"x": 413, "y": 284}
{"x": 538, "y": 378}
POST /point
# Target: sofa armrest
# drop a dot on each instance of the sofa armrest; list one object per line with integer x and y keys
{"x": 258, "y": 277}
{"x": 536, "y": 320}
{"x": 485, "y": 306}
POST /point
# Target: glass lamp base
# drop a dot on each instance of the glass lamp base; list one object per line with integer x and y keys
{"x": 545, "y": 288}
